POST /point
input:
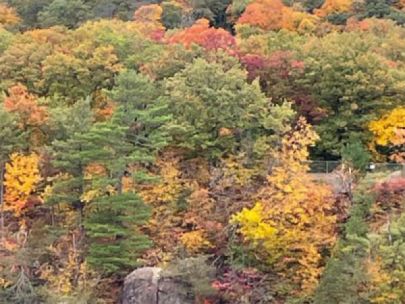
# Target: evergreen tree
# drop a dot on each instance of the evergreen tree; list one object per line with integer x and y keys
{"x": 67, "y": 153}
{"x": 112, "y": 215}
{"x": 143, "y": 109}
{"x": 131, "y": 138}
{"x": 345, "y": 275}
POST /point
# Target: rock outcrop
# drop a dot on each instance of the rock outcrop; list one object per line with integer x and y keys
{"x": 149, "y": 285}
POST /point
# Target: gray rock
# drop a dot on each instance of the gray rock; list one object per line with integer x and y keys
{"x": 174, "y": 291}
{"x": 148, "y": 285}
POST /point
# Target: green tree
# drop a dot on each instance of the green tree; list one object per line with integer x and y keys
{"x": 5, "y": 39}
{"x": 213, "y": 10}
{"x": 67, "y": 150}
{"x": 352, "y": 84}
{"x": 356, "y": 155}
{"x": 62, "y": 12}
{"x": 216, "y": 111}
{"x": 112, "y": 215}
{"x": 345, "y": 278}
{"x": 143, "y": 110}
{"x": 132, "y": 138}
{"x": 172, "y": 15}
{"x": 29, "y": 10}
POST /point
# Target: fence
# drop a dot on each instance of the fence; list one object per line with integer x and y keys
{"x": 327, "y": 166}
{"x": 323, "y": 166}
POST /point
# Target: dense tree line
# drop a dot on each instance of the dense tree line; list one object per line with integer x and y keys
{"x": 159, "y": 133}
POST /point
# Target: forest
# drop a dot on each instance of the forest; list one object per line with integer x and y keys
{"x": 182, "y": 134}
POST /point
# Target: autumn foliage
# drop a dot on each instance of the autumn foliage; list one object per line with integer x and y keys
{"x": 291, "y": 224}
{"x": 202, "y": 34}
{"x": 21, "y": 180}
{"x": 334, "y": 6}
{"x": 25, "y": 105}
{"x": 8, "y": 16}
{"x": 226, "y": 142}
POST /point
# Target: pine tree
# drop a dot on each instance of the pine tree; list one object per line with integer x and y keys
{"x": 345, "y": 275}
{"x": 112, "y": 216}
{"x": 143, "y": 109}
{"x": 131, "y": 138}
{"x": 67, "y": 156}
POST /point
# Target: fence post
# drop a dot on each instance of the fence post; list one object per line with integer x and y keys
{"x": 327, "y": 167}
{"x": 403, "y": 170}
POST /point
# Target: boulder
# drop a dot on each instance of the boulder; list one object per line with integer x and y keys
{"x": 149, "y": 285}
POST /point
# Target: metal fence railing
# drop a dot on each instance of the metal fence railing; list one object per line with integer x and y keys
{"x": 323, "y": 166}
{"x": 327, "y": 166}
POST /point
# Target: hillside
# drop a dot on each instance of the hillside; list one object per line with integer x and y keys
{"x": 183, "y": 135}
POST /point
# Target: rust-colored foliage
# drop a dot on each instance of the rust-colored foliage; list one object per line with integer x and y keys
{"x": 274, "y": 15}
{"x": 8, "y": 16}
{"x": 334, "y": 6}
{"x": 25, "y": 105}
{"x": 202, "y": 34}
{"x": 266, "y": 14}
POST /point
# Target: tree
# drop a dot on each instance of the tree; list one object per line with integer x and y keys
{"x": 346, "y": 279}
{"x": 388, "y": 133}
{"x": 381, "y": 9}
{"x": 202, "y": 34}
{"x": 215, "y": 111}
{"x": 8, "y": 16}
{"x": 356, "y": 156}
{"x": 114, "y": 241}
{"x": 266, "y": 14}
{"x": 21, "y": 179}
{"x": 130, "y": 138}
{"x": 148, "y": 21}
{"x": 212, "y": 10}
{"x": 21, "y": 63}
{"x": 292, "y": 223}
{"x": 236, "y": 8}
{"x": 79, "y": 73}
{"x": 29, "y": 10}
{"x": 386, "y": 264}
{"x": 354, "y": 87}
{"x": 5, "y": 38}
{"x": 11, "y": 138}
{"x": 116, "y": 8}
{"x": 67, "y": 186}
{"x": 32, "y": 117}
{"x": 311, "y": 5}
{"x": 62, "y": 12}
{"x": 143, "y": 110}
{"x": 172, "y": 15}
{"x": 25, "y": 105}
{"x": 274, "y": 15}
{"x": 330, "y": 7}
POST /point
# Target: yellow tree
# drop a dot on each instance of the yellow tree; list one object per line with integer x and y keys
{"x": 148, "y": 20}
{"x": 21, "y": 179}
{"x": 8, "y": 16}
{"x": 292, "y": 222}
{"x": 389, "y": 132}
{"x": 334, "y": 6}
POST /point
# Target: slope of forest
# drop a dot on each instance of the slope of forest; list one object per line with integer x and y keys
{"x": 180, "y": 133}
